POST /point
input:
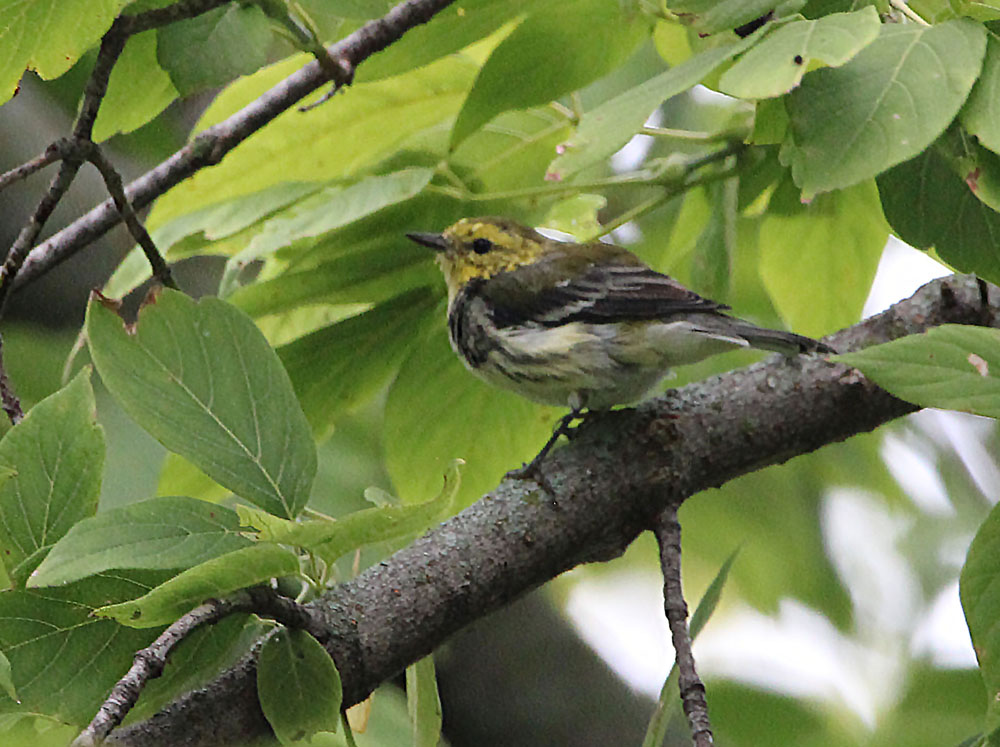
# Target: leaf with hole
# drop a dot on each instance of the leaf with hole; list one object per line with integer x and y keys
{"x": 886, "y": 105}
{"x": 954, "y": 367}
{"x": 201, "y": 378}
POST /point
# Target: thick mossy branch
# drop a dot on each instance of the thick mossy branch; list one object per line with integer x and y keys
{"x": 618, "y": 473}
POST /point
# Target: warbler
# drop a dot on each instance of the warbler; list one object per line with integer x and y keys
{"x": 586, "y": 326}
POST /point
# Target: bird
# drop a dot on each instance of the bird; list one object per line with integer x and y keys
{"x": 581, "y": 325}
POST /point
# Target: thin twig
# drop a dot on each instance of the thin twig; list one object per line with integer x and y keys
{"x": 113, "y": 181}
{"x": 54, "y": 152}
{"x": 668, "y": 535}
{"x": 18, "y": 252}
{"x": 211, "y": 145}
{"x": 149, "y": 662}
{"x": 179, "y": 11}
{"x": 75, "y": 149}
{"x": 97, "y": 85}
{"x": 8, "y": 400}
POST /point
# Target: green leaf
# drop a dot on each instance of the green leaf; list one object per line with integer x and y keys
{"x": 298, "y": 686}
{"x": 928, "y": 205}
{"x": 327, "y": 210}
{"x": 668, "y": 701}
{"x": 332, "y": 539}
{"x": 593, "y": 38}
{"x": 449, "y": 31}
{"x": 818, "y": 262}
{"x": 339, "y": 367}
{"x": 203, "y": 381}
{"x": 213, "y": 578}
{"x": 954, "y": 367}
{"x": 438, "y": 411}
{"x": 605, "y": 129}
{"x": 980, "y": 595}
{"x": 776, "y": 65}
{"x": 328, "y": 142}
{"x": 981, "y": 113}
{"x": 711, "y": 264}
{"x": 709, "y": 16}
{"x": 213, "y": 48}
{"x": 161, "y": 533}
{"x": 229, "y": 217}
{"x": 367, "y": 274}
{"x": 49, "y": 36}
{"x": 206, "y": 652}
{"x": 423, "y": 703}
{"x": 63, "y": 659}
{"x": 138, "y": 89}
{"x": 6, "y": 678}
{"x": 510, "y": 151}
{"x": 884, "y": 106}
{"x": 57, "y": 457}
{"x": 179, "y": 477}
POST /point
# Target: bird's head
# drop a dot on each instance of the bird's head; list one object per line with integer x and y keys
{"x": 482, "y": 247}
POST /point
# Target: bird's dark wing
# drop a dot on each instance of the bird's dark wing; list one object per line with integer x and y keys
{"x": 566, "y": 288}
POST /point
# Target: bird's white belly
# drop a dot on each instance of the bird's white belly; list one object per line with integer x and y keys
{"x": 597, "y": 365}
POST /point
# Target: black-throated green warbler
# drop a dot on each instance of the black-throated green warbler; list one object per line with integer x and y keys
{"x": 581, "y": 325}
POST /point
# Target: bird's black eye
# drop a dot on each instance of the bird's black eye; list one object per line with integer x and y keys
{"x": 481, "y": 245}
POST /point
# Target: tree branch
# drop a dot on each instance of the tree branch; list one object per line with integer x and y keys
{"x": 692, "y": 690}
{"x": 210, "y": 146}
{"x": 617, "y": 474}
{"x": 149, "y": 662}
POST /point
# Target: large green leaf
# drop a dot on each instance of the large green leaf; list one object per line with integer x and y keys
{"x": 929, "y": 205}
{"x": 327, "y": 210}
{"x": 213, "y": 578}
{"x": 333, "y": 141}
{"x": 366, "y": 275}
{"x": 884, "y": 106}
{"x": 201, "y": 378}
{"x": 438, "y": 411}
{"x": 605, "y": 129}
{"x": 954, "y": 367}
{"x": 979, "y": 589}
{"x": 212, "y": 48}
{"x": 776, "y": 65}
{"x": 48, "y": 36}
{"x": 981, "y": 113}
{"x": 57, "y": 456}
{"x": 819, "y": 261}
{"x": 162, "y": 533}
{"x": 298, "y": 686}
{"x": 342, "y": 366}
{"x": 63, "y": 659}
{"x": 592, "y": 37}
{"x": 138, "y": 89}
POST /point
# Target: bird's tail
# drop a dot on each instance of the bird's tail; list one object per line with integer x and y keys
{"x": 788, "y": 343}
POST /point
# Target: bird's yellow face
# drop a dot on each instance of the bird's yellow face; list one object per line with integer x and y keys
{"x": 481, "y": 248}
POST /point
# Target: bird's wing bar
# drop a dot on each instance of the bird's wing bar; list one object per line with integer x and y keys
{"x": 603, "y": 293}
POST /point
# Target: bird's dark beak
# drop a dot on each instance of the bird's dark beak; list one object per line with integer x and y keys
{"x": 435, "y": 241}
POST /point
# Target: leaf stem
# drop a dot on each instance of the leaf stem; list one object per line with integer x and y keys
{"x": 909, "y": 12}
{"x": 688, "y": 136}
